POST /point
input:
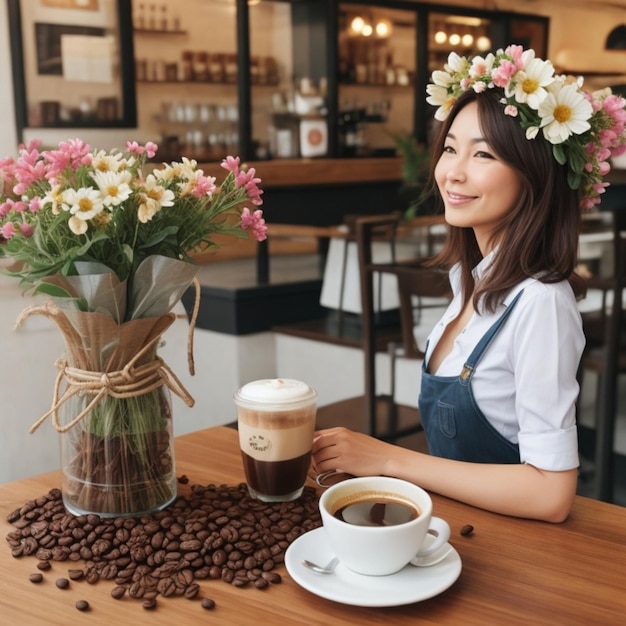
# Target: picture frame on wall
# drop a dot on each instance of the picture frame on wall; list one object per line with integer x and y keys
{"x": 72, "y": 68}
{"x": 48, "y": 38}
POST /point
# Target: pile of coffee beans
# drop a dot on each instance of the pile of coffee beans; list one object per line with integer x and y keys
{"x": 214, "y": 532}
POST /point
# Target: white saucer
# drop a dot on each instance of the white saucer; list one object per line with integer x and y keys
{"x": 411, "y": 584}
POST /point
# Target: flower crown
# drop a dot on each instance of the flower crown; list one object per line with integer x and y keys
{"x": 585, "y": 129}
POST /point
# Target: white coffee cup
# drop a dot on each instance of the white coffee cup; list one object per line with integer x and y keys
{"x": 369, "y": 544}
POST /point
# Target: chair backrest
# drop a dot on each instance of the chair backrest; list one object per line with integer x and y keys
{"x": 413, "y": 280}
{"x": 417, "y": 282}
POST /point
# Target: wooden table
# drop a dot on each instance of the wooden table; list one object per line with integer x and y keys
{"x": 514, "y": 571}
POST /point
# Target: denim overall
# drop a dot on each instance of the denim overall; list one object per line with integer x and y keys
{"x": 455, "y": 427}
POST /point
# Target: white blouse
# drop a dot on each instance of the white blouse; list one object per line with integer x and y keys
{"x": 525, "y": 383}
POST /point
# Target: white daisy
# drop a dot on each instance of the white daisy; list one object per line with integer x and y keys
{"x": 457, "y": 63}
{"x": 438, "y": 96}
{"x": 84, "y": 203}
{"x": 109, "y": 162}
{"x": 564, "y": 112}
{"x": 530, "y": 83}
{"x": 115, "y": 186}
{"x": 154, "y": 199}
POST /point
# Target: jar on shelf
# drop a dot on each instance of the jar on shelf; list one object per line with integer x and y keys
{"x": 201, "y": 67}
{"x": 230, "y": 67}
{"x": 185, "y": 67}
{"x": 216, "y": 67}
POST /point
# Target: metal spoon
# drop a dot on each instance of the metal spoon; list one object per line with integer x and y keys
{"x": 329, "y": 568}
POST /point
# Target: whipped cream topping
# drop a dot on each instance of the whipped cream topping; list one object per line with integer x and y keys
{"x": 276, "y": 391}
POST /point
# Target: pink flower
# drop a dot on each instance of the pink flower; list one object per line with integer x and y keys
{"x": 502, "y": 74}
{"x": 7, "y": 230}
{"x": 248, "y": 180}
{"x": 255, "y": 222}
{"x": 587, "y": 203}
{"x": 135, "y": 148}
{"x": 516, "y": 52}
{"x": 5, "y": 207}
{"x": 511, "y": 110}
{"x": 28, "y": 170}
{"x": 35, "y": 204}
{"x": 26, "y": 229}
{"x": 72, "y": 154}
{"x": 231, "y": 164}
{"x": 478, "y": 68}
{"x": 619, "y": 150}
{"x": 151, "y": 149}
{"x": 204, "y": 186}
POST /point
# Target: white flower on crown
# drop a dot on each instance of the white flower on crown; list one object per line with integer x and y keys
{"x": 564, "y": 112}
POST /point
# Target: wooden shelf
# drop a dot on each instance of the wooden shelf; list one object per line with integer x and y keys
{"x": 155, "y": 31}
{"x": 307, "y": 172}
{"x": 185, "y": 82}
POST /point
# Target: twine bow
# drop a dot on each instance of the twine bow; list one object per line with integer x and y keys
{"x": 132, "y": 380}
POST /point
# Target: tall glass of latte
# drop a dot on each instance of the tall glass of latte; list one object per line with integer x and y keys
{"x": 276, "y": 421}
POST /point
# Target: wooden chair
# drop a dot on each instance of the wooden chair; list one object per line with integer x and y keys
{"x": 606, "y": 356}
{"x": 415, "y": 282}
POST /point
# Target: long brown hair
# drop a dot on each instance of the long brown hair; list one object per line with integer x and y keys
{"x": 539, "y": 235}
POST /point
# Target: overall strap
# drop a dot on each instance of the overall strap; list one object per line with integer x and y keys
{"x": 487, "y": 338}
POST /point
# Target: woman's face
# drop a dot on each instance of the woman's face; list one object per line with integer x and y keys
{"x": 477, "y": 188}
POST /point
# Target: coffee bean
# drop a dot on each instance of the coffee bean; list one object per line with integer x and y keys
{"x": 43, "y": 565}
{"x": 191, "y": 591}
{"x": 62, "y": 583}
{"x": 82, "y": 605}
{"x": 118, "y": 592}
{"x": 76, "y": 574}
{"x": 36, "y": 578}
{"x": 272, "y": 577}
{"x": 261, "y": 583}
{"x": 467, "y": 530}
{"x": 150, "y": 603}
{"x": 207, "y": 603}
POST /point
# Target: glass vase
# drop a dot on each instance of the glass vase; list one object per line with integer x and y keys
{"x": 118, "y": 459}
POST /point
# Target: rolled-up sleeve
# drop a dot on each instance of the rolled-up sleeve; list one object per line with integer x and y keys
{"x": 546, "y": 349}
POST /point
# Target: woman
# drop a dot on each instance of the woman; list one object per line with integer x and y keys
{"x": 499, "y": 387}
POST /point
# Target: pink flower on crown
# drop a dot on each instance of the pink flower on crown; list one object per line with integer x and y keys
{"x": 502, "y": 74}
{"x": 517, "y": 55}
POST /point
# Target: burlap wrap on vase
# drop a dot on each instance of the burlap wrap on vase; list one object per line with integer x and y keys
{"x": 112, "y": 408}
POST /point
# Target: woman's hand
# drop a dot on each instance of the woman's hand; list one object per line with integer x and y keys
{"x": 347, "y": 451}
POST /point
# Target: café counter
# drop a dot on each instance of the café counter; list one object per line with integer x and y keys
{"x": 320, "y": 192}
{"x": 514, "y": 571}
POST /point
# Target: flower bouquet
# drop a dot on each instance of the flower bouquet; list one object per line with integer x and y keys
{"x": 111, "y": 243}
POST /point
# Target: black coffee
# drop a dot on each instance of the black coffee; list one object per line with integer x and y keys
{"x": 276, "y": 478}
{"x": 376, "y": 511}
